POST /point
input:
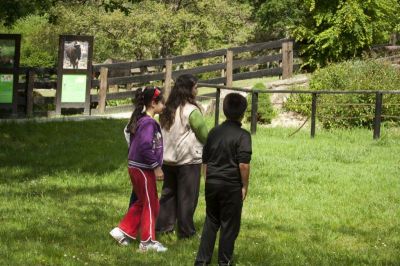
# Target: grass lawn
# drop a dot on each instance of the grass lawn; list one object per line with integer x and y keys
{"x": 332, "y": 200}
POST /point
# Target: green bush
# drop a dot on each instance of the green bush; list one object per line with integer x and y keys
{"x": 351, "y": 110}
{"x": 265, "y": 111}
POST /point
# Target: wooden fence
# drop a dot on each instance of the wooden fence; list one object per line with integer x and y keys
{"x": 229, "y": 65}
{"x": 276, "y": 58}
{"x": 254, "y": 104}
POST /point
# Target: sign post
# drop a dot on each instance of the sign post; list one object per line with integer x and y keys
{"x": 74, "y": 72}
{"x": 10, "y": 47}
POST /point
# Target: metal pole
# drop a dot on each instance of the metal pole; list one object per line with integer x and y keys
{"x": 378, "y": 115}
{"x": 313, "y": 113}
{"x": 217, "y": 101}
{"x": 254, "y": 107}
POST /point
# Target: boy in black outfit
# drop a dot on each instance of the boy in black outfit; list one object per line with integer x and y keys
{"x": 226, "y": 155}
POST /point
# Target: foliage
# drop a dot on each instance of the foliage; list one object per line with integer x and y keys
{"x": 337, "y": 30}
{"x": 299, "y": 102}
{"x": 307, "y": 204}
{"x": 351, "y": 110}
{"x": 277, "y": 18}
{"x": 265, "y": 111}
{"x": 155, "y": 30}
{"x": 329, "y": 31}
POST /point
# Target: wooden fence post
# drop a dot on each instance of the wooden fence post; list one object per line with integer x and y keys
{"x": 287, "y": 59}
{"x": 103, "y": 89}
{"x": 223, "y": 71}
{"x": 313, "y": 113}
{"x": 217, "y": 101}
{"x": 168, "y": 78}
{"x": 229, "y": 68}
{"x": 254, "y": 107}
{"x": 378, "y": 115}
{"x": 30, "y": 80}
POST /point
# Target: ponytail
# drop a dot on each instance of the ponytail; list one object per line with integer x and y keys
{"x": 137, "y": 112}
{"x": 143, "y": 99}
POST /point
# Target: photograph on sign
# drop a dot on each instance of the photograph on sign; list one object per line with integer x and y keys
{"x": 7, "y": 53}
{"x": 75, "y": 55}
{"x": 73, "y": 88}
{"x": 6, "y": 88}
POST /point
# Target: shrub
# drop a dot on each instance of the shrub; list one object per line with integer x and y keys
{"x": 265, "y": 111}
{"x": 351, "y": 110}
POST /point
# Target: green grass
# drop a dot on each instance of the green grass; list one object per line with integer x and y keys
{"x": 332, "y": 200}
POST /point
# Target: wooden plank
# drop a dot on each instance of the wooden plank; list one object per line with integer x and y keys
{"x": 167, "y": 79}
{"x": 258, "y": 46}
{"x": 103, "y": 89}
{"x": 21, "y": 100}
{"x": 229, "y": 68}
{"x": 115, "y": 109}
{"x": 198, "y": 56}
{"x": 45, "y": 85}
{"x": 259, "y": 73}
{"x": 72, "y": 105}
{"x": 21, "y": 86}
{"x": 213, "y": 81}
{"x": 29, "y": 92}
{"x": 287, "y": 60}
{"x": 95, "y": 83}
{"x": 137, "y": 79}
{"x": 39, "y": 70}
{"x": 198, "y": 70}
{"x": 113, "y": 96}
{"x": 134, "y": 64}
{"x": 257, "y": 60}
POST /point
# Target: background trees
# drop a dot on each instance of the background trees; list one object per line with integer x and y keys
{"x": 150, "y": 29}
{"x": 332, "y": 30}
{"x": 327, "y": 31}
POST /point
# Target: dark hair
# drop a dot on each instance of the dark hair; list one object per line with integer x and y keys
{"x": 181, "y": 93}
{"x": 143, "y": 98}
{"x": 234, "y": 106}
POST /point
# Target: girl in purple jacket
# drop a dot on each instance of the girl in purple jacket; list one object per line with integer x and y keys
{"x": 144, "y": 165}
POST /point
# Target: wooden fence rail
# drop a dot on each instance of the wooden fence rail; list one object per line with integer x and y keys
{"x": 254, "y": 103}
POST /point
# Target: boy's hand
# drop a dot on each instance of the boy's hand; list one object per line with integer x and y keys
{"x": 244, "y": 193}
{"x": 159, "y": 173}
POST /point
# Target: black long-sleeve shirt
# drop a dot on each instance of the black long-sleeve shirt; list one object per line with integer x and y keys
{"x": 227, "y": 145}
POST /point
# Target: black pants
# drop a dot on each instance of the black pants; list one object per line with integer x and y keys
{"x": 179, "y": 199}
{"x": 223, "y": 210}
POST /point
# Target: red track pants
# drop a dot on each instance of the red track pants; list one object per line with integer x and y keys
{"x": 144, "y": 211}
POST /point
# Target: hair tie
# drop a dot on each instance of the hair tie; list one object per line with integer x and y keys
{"x": 156, "y": 93}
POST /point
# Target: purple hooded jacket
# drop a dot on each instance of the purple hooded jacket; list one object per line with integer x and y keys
{"x": 146, "y": 145}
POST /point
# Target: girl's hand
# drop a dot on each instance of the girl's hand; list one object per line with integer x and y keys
{"x": 159, "y": 173}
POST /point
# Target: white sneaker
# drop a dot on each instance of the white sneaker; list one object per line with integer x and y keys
{"x": 152, "y": 245}
{"x": 119, "y": 236}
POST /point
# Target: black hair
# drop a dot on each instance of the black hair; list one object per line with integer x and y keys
{"x": 143, "y": 98}
{"x": 181, "y": 93}
{"x": 234, "y": 106}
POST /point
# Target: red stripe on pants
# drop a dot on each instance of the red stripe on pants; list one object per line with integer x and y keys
{"x": 144, "y": 211}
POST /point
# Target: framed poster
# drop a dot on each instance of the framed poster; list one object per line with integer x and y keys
{"x": 10, "y": 46}
{"x": 74, "y": 72}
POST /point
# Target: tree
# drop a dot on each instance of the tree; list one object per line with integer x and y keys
{"x": 153, "y": 29}
{"x": 333, "y": 30}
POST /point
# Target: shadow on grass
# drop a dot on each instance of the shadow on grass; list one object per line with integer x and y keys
{"x": 31, "y": 150}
